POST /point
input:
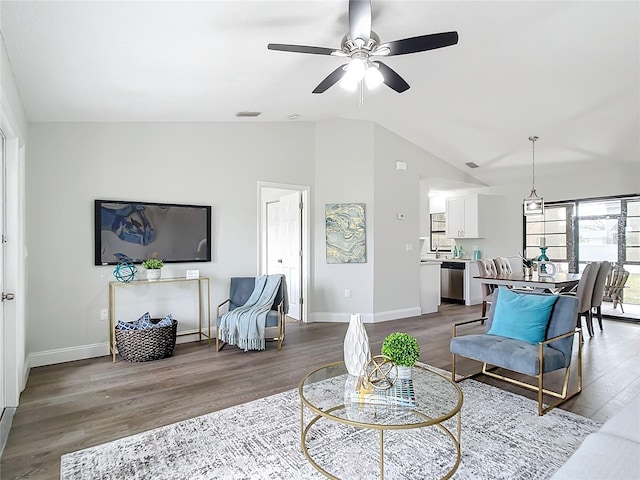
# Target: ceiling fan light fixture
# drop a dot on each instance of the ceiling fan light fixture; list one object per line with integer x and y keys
{"x": 356, "y": 69}
{"x": 348, "y": 84}
{"x": 373, "y": 78}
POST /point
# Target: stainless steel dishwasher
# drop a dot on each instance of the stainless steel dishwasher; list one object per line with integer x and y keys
{"x": 452, "y": 282}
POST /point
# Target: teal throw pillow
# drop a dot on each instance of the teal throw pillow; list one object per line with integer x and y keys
{"x": 522, "y": 316}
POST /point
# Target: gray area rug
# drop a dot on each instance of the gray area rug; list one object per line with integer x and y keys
{"x": 502, "y": 438}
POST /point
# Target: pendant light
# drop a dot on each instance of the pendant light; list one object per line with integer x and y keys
{"x": 533, "y": 204}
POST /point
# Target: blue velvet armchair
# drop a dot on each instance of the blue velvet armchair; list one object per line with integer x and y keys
{"x": 240, "y": 289}
{"x": 553, "y": 353}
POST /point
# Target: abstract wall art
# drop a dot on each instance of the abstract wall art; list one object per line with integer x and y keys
{"x": 345, "y": 228}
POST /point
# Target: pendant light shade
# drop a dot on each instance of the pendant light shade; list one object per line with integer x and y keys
{"x": 533, "y": 204}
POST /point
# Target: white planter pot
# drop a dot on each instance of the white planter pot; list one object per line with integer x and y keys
{"x": 154, "y": 274}
{"x": 356, "y": 347}
{"x": 404, "y": 373}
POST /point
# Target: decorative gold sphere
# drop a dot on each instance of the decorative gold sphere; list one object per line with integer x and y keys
{"x": 381, "y": 372}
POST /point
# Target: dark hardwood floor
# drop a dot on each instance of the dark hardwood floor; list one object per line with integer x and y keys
{"x": 70, "y": 406}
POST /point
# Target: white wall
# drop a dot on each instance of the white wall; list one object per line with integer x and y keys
{"x": 70, "y": 165}
{"x": 343, "y": 174}
{"x": 397, "y": 192}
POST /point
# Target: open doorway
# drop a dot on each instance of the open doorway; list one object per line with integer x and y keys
{"x": 283, "y": 232}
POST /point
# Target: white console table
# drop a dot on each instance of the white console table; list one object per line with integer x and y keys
{"x": 200, "y": 281}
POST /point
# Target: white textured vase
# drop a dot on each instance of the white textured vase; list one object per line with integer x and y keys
{"x": 356, "y": 347}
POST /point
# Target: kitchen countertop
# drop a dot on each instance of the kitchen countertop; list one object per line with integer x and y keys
{"x": 443, "y": 259}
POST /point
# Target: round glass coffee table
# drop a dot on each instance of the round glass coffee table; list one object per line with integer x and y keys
{"x": 327, "y": 392}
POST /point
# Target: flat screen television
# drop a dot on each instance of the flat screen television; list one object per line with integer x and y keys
{"x": 140, "y": 230}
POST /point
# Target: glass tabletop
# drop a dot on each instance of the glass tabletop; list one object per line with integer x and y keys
{"x": 328, "y": 392}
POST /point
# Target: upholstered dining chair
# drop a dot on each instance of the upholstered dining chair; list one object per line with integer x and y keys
{"x": 614, "y": 286}
{"x": 584, "y": 294}
{"x": 503, "y": 266}
{"x": 598, "y": 290}
{"x": 487, "y": 268}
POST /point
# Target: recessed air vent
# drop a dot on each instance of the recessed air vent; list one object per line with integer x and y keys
{"x": 472, "y": 165}
{"x": 248, "y": 114}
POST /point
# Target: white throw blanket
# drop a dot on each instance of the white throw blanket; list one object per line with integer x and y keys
{"x": 245, "y": 325}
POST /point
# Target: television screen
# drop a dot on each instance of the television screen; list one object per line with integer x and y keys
{"x": 141, "y": 230}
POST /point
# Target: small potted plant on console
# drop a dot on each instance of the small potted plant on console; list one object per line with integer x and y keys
{"x": 403, "y": 349}
{"x": 153, "y": 267}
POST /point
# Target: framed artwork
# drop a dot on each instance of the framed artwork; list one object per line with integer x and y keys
{"x": 345, "y": 229}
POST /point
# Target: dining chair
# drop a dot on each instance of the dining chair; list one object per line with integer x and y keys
{"x": 503, "y": 266}
{"x": 584, "y": 294}
{"x": 487, "y": 268}
{"x": 614, "y": 286}
{"x": 598, "y": 290}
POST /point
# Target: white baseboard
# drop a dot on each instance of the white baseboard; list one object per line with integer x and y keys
{"x": 397, "y": 314}
{"x": 70, "y": 354}
{"x": 366, "y": 317}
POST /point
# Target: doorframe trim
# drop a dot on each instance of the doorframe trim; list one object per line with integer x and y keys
{"x": 306, "y": 237}
{"x": 14, "y": 360}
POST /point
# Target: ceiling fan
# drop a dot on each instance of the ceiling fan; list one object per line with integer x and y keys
{"x": 361, "y": 44}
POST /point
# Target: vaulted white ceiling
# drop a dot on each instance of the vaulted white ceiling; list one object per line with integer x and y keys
{"x": 568, "y": 72}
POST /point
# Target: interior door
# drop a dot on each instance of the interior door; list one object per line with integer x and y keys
{"x": 273, "y": 238}
{"x": 291, "y": 248}
{"x": 3, "y": 336}
{"x": 283, "y": 227}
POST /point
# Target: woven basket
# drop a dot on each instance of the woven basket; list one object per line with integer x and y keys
{"x": 148, "y": 344}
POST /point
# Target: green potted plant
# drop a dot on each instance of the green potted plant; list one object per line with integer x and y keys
{"x": 153, "y": 267}
{"x": 403, "y": 349}
{"x": 527, "y": 266}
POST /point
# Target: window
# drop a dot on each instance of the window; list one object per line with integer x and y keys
{"x": 439, "y": 243}
{"x": 554, "y": 227}
{"x": 588, "y": 230}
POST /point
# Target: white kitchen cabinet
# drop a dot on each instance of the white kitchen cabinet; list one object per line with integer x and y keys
{"x": 465, "y": 216}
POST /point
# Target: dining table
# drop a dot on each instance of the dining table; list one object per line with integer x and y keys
{"x": 557, "y": 283}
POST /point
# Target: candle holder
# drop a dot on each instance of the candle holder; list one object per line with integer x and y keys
{"x": 543, "y": 258}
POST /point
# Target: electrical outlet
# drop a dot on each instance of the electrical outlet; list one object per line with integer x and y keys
{"x": 104, "y": 314}
{"x": 347, "y": 293}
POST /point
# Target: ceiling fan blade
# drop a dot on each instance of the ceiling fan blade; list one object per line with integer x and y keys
{"x": 421, "y": 43}
{"x": 392, "y": 79}
{"x": 301, "y": 49}
{"x": 333, "y": 78}
{"x": 360, "y": 20}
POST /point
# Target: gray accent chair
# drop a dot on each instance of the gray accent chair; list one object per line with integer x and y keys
{"x": 554, "y": 353}
{"x": 598, "y": 291}
{"x": 240, "y": 289}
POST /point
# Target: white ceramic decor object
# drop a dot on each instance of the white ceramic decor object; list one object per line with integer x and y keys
{"x": 549, "y": 269}
{"x": 356, "y": 347}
